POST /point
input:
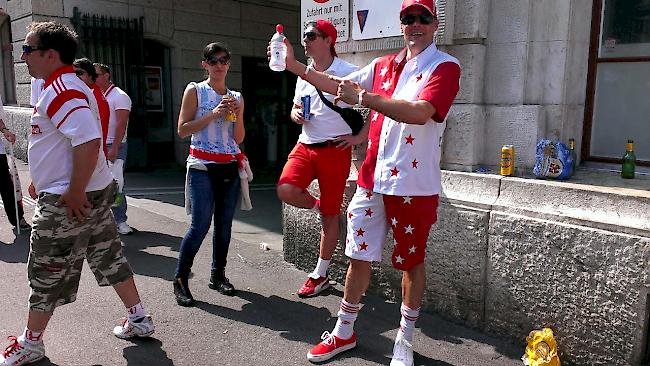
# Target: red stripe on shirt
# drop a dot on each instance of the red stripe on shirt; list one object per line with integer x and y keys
{"x": 70, "y": 112}
{"x": 62, "y": 98}
{"x": 109, "y": 90}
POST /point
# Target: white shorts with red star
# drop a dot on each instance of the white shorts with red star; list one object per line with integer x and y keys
{"x": 370, "y": 214}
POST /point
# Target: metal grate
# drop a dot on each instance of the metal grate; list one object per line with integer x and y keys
{"x": 118, "y": 43}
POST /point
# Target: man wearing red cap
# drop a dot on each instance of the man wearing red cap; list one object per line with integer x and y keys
{"x": 410, "y": 94}
{"x": 316, "y": 155}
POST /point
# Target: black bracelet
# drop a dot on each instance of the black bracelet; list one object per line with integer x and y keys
{"x": 3, "y": 129}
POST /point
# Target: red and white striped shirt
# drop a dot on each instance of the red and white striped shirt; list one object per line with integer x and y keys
{"x": 65, "y": 116}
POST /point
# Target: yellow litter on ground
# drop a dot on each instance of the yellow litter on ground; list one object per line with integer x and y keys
{"x": 541, "y": 349}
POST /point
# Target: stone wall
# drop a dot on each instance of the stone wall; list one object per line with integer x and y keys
{"x": 509, "y": 255}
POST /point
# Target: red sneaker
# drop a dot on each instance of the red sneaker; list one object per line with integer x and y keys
{"x": 330, "y": 347}
{"x": 313, "y": 286}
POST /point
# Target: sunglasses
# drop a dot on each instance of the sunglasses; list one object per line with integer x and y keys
{"x": 409, "y": 19}
{"x": 311, "y": 36}
{"x": 79, "y": 72}
{"x": 27, "y": 49}
{"x": 224, "y": 60}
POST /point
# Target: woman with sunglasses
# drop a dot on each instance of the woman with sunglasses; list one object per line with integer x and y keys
{"x": 213, "y": 115}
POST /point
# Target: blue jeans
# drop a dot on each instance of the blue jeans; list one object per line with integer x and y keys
{"x": 120, "y": 211}
{"x": 213, "y": 195}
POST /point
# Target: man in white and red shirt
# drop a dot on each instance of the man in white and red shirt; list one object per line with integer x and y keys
{"x": 120, "y": 106}
{"x": 75, "y": 190}
{"x": 410, "y": 94}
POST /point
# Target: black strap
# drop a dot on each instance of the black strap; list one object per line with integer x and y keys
{"x": 331, "y": 105}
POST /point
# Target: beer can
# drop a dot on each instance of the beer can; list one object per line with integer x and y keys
{"x": 507, "y": 160}
{"x": 231, "y": 116}
{"x": 306, "y": 106}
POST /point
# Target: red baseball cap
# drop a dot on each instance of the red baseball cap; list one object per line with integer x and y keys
{"x": 427, "y": 4}
{"x": 329, "y": 30}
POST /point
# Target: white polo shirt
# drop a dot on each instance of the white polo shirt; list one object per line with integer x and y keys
{"x": 65, "y": 116}
{"x": 117, "y": 99}
{"x": 403, "y": 159}
{"x": 325, "y": 124}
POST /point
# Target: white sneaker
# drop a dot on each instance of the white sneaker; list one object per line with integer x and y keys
{"x": 140, "y": 328}
{"x": 124, "y": 228}
{"x": 402, "y": 352}
{"x": 20, "y": 352}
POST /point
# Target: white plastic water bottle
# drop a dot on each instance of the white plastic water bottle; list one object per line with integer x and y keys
{"x": 278, "y": 50}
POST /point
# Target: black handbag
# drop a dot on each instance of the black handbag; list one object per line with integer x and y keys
{"x": 352, "y": 117}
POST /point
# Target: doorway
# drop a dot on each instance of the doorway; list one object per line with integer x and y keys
{"x": 270, "y": 133}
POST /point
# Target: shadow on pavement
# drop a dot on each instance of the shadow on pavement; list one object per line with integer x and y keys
{"x": 46, "y": 362}
{"x": 300, "y": 322}
{"x": 15, "y": 252}
{"x": 145, "y": 263}
{"x": 146, "y": 351}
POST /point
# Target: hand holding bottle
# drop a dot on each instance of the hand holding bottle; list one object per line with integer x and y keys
{"x": 221, "y": 110}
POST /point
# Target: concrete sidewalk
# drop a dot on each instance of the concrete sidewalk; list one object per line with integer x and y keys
{"x": 264, "y": 324}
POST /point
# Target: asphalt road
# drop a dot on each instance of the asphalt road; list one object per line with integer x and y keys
{"x": 264, "y": 324}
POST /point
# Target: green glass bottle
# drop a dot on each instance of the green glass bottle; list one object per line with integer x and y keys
{"x": 629, "y": 161}
{"x": 572, "y": 154}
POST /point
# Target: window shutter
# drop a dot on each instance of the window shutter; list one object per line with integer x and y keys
{"x": 445, "y": 10}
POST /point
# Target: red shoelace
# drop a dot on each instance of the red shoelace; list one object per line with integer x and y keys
{"x": 13, "y": 347}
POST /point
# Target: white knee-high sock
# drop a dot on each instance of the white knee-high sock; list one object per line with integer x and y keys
{"x": 347, "y": 316}
{"x": 407, "y": 323}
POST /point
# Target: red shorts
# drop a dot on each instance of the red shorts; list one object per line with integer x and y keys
{"x": 370, "y": 215}
{"x": 329, "y": 164}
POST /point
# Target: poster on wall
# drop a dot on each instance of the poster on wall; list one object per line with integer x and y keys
{"x": 336, "y": 11}
{"x": 375, "y": 19}
{"x": 153, "y": 97}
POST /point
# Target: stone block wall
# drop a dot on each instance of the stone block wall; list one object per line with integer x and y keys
{"x": 509, "y": 255}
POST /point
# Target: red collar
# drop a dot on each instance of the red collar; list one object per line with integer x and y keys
{"x": 58, "y": 72}
{"x": 109, "y": 89}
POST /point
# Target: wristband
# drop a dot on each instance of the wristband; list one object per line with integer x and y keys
{"x": 304, "y": 75}
{"x": 4, "y": 129}
{"x": 361, "y": 93}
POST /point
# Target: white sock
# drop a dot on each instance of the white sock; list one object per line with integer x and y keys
{"x": 347, "y": 316}
{"x": 321, "y": 267}
{"x": 407, "y": 323}
{"x": 32, "y": 337}
{"x": 136, "y": 312}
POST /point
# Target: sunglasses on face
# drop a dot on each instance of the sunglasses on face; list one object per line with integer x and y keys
{"x": 79, "y": 72}
{"x": 311, "y": 36}
{"x": 425, "y": 19}
{"x": 27, "y": 49}
{"x": 224, "y": 60}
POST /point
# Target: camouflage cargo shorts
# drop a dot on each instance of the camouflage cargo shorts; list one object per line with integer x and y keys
{"x": 59, "y": 247}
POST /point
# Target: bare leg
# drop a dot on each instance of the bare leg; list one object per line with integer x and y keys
{"x": 413, "y": 283}
{"x": 329, "y": 236}
{"x": 295, "y": 196}
{"x": 357, "y": 280}
{"x": 37, "y": 320}
{"x": 127, "y": 292}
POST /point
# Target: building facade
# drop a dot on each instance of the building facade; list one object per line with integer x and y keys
{"x": 154, "y": 49}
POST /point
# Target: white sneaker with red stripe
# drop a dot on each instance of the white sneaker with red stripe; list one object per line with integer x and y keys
{"x": 313, "y": 286}
{"x": 20, "y": 352}
{"x": 330, "y": 347}
{"x": 402, "y": 352}
{"x": 142, "y": 327}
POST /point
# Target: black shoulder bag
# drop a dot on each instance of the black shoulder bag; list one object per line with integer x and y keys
{"x": 353, "y": 118}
